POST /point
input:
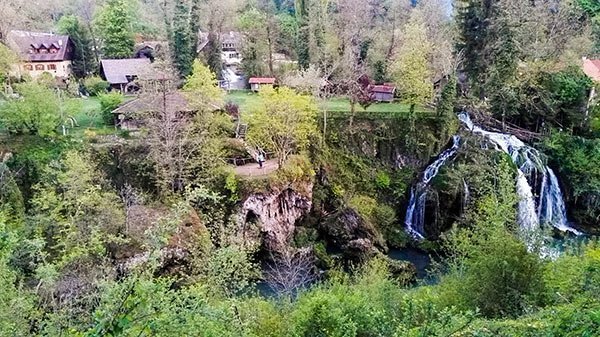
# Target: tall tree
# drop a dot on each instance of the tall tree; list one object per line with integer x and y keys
{"x": 303, "y": 40}
{"x": 84, "y": 62}
{"x": 181, "y": 41}
{"x": 412, "y": 69}
{"x": 7, "y": 59}
{"x": 115, "y": 27}
{"x": 284, "y": 122}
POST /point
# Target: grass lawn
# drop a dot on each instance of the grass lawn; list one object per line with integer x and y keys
{"x": 248, "y": 100}
{"x": 89, "y": 116}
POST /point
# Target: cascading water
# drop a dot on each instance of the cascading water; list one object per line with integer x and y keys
{"x": 551, "y": 208}
{"x": 415, "y": 213}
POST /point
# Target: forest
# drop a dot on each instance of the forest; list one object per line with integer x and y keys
{"x": 300, "y": 168}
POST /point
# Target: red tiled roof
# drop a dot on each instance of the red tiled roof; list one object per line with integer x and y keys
{"x": 387, "y": 89}
{"x": 261, "y": 80}
{"x": 592, "y": 69}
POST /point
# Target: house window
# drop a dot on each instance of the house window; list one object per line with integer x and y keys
{"x": 28, "y": 67}
{"x": 39, "y": 67}
{"x": 52, "y": 67}
{"x": 53, "y": 51}
{"x": 43, "y": 51}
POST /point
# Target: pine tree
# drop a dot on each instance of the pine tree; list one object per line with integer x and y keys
{"x": 181, "y": 41}
{"x": 115, "y": 29}
{"x": 487, "y": 42}
{"x": 84, "y": 61}
{"x": 302, "y": 43}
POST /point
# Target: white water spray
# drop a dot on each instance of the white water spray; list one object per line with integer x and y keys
{"x": 415, "y": 213}
{"x": 551, "y": 208}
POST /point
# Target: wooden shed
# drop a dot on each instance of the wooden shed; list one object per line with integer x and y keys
{"x": 383, "y": 92}
{"x": 257, "y": 82}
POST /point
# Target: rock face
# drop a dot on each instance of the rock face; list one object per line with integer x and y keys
{"x": 189, "y": 233}
{"x": 352, "y": 234}
{"x": 269, "y": 219}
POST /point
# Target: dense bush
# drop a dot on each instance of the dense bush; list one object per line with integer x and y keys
{"x": 95, "y": 86}
{"x": 109, "y": 102}
{"x": 578, "y": 162}
{"x": 542, "y": 98}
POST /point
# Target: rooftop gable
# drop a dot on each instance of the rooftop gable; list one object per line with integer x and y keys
{"x": 261, "y": 80}
{"x": 117, "y": 71}
{"x": 29, "y": 44}
{"x": 592, "y": 69}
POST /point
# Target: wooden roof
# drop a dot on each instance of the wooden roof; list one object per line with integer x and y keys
{"x": 117, "y": 71}
{"x": 592, "y": 69}
{"x": 385, "y": 89}
{"x": 261, "y": 80}
{"x": 24, "y": 42}
{"x": 175, "y": 101}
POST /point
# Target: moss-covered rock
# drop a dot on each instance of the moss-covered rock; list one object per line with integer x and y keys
{"x": 348, "y": 231}
{"x": 402, "y": 271}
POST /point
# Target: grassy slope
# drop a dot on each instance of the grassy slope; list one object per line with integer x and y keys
{"x": 247, "y": 101}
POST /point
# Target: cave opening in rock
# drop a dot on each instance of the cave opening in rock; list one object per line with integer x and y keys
{"x": 251, "y": 218}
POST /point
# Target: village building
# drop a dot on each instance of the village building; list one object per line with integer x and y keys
{"x": 123, "y": 74}
{"x": 383, "y": 92}
{"x": 591, "y": 67}
{"x": 231, "y": 45}
{"x": 41, "y": 53}
{"x": 257, "y": 82}
{"x": 129, "y": 116}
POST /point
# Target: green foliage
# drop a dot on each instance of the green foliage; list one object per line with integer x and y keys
{"x": 15, "y": 303}
{"x": 283, "y": 123}
{"x": 109, "y": 102}
{"x": 255, "y": 48}
{"x": 31, "y": 155}
{"x": 35, "y": 112}
{"x": 75, "y": 211}
{"x": 411, "y": 66}
{"x": 382, "y": 180}
{"x": 12, "y": 205}
{"x": 491, "y": 269}
{"x": 229, "y": 271}
{"x": 115, "y": 23}
{"x": 7, "y": 59}
{"x": 541, "y": 98}
{"x": 84, "y": 60}
{"x": 182, "y": 46}
{"x": 201, "y": 89}
{"x": 95, "y": 86}
{"x": 488, "y": 42}
{"x": 577, "y": 161}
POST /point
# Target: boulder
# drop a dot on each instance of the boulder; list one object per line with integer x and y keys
{"x": 354, "y": 235}
{"x": 268, "y": 219}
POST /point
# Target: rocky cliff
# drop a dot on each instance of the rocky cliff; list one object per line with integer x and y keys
{"x": 268, "y": 219}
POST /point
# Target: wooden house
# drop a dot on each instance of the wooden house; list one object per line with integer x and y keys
{"x": 257, "y": 82}
{"x": 122, "y": 74}
{"x": 41, "y": 53}
{"x": 383, "y": 92}
{"x": 129, "y": 116}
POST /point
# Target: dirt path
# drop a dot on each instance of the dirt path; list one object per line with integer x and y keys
{"x": 253, "y": 170}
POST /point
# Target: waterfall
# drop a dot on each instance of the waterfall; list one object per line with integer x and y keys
{"x": 415, "y": 213}
{"x": 551, "y": 208}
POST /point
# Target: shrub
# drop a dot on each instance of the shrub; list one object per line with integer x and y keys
{"x": 109, "y": 102}
{"x": 383, "y": 180}
{"x": 95, "y": 86}
{"x": 232, "y": 109}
